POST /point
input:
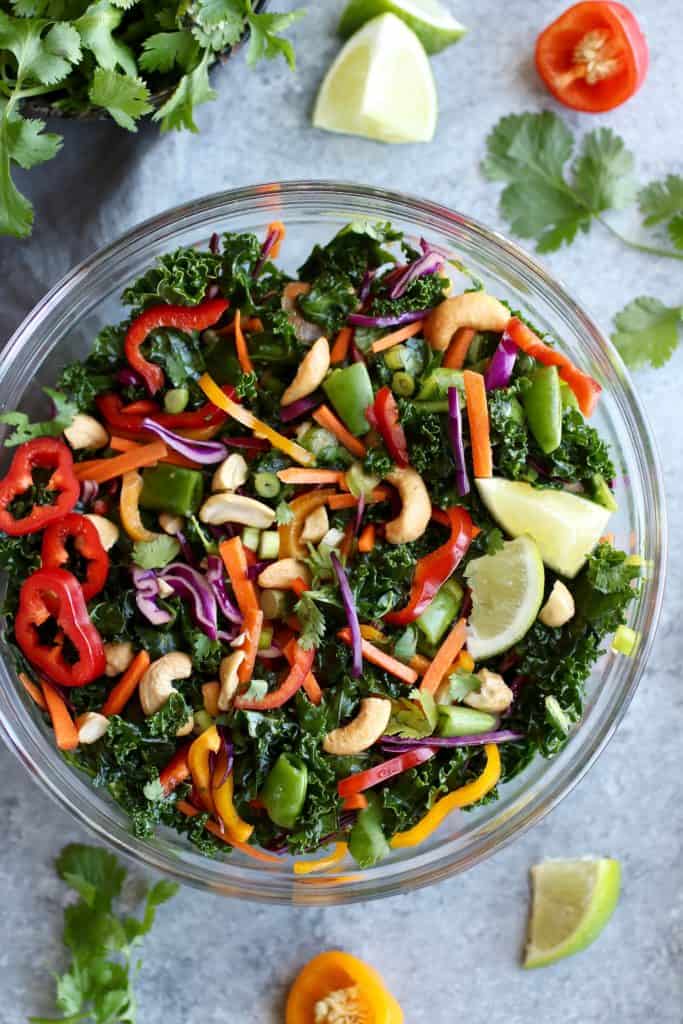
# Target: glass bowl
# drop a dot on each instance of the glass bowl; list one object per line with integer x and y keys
{"x": 61, "y": 328}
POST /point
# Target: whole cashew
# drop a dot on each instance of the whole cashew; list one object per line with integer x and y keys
{"x": 236, "y": 508}
{"x": 493, "y": 696}
{"x": 107, "y": 531}
{"x": 86, "y": 432}
{"x": 231, "y": 473}
{"x": 365, "y": 729}
{"x": 316, "y": 525}
{"x": 478, "y": 310}
{"x": 559, "y": 608}
{"x": 228, "y": 675}
{"x": 304, "y": 329}
{"x": 91, "y": 727}
{"x": 156, "y": 686}
{"x": 281, "y": 574}
{"x": 416, "y": 508}
{"x": 310, "y": 374}
{"x": 118, "y": 657}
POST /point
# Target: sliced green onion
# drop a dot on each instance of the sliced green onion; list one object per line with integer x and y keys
{"x": 267, "y": 485}
{"x": 394, "y": 358}
{"x": 403, "y": 384}
{"x": 251, "y": 537}
{"x": 202, "y": 721}
{"x": 276, "y": 604}
{"x": 269, "y": 544}
{"x": 265, "y": 638}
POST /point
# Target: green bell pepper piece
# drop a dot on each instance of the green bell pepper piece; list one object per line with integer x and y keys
{"x": 172, "y": 489}
{"x": 440, "y": 613}
{"x": 284, "y": 791}
{"x": 459, "y": 721}
{"x": 350, "y": 392}
{"x": 438, "y": 382}
{"x": 367, "y": 842}
{"x": 543, "y": 407}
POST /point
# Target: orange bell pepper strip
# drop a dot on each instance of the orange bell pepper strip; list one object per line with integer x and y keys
{"x": 382, "y": 660}
{"x": 396, "y": 337}
{"x": 210, "y": 692}
{"x": 102, "y": 470}
{"x": 129, "y": 508}
{"x": 209, "y": 742}
{"x": 325, "y": 418}
{"x": 355, "y": 802}
{"x": 241, "y": 349}
{"x": 33, "y": 690}
{"x": 456, "y": 353}
{"x": 66, "y": 731}
{"x": 341, "y": 346}
{"x": 176, "y": 771}
{"x": 306, "y": 867}
{"x": 223, "y": 804}
{"x": 462, "y": 797}
{"x": 119, "y": 695}
{"x": 295, "y": 452}
{"x": 444, "y": 657}
{"x": 478, "y": 417}
{"x": 302, "y": 662}
{"x": 252, "y": 626}
{"x": 235, "y": 560}
{"x": 189, "y": 811}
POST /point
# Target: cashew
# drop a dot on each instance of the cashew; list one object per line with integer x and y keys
{"x": 231, "y": 473}
{"x": 310, "y": 374}
{"x": 107, "y": 531}
{"x": 281, "y": 574}
{"x": 559, "y": 608}
{"x": 316, "y": 525}
{"x": 86, "y": 432}
{"x": 164, "y": 589}
{"x": 118, "y": 657}
{"x": 493, "y": 696}
{"x": 416, "y": 508}
{"x": 235, "y": 508}
{"x": 477, "y": 310}
{"x": 365, "y": 729}
{"x": 91, "y": 727}
{"x": 156, "y": 686}
{"x": 228, "y": 675}
{"x": 170, "y": 524}
{"x": 304, "y": 329}
{"x": 332, "y": 538}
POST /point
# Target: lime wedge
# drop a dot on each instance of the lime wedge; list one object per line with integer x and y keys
{"x": 572, "y": 902}
{"x": 380, "y": 86}
{"x": 507, "y": 591}
{"x": 565, "y": 526}
{"x": 430, "y": 21}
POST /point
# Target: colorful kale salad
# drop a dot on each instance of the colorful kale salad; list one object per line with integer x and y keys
{"x": 316, "y": 560}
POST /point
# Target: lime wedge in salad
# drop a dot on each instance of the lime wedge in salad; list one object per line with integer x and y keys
{"x": 507, "y": 591}
{"x": 380, "y": 86}
{"x": 565, "y": 526}
{"x": 430, "y": 21}
{"x": 572, "y": 902}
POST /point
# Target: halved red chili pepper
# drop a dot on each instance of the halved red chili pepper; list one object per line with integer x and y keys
{"x": 382, "y": 772}
{"x": 384, "y": 417}
{"x": 86, "y": 540}
{"x": 41, "y": 453}
{"x": 126, "y": 420}
{"x": 301, "y": 665}
{"x": 432, "y": 571}
{"x": 56, "y": 594}
{"x": 183, "y": 318}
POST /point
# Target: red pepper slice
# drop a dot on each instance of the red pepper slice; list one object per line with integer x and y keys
{"x": 183, "y": 318}
{"x": 586, "y": 389}
{"x": 54, "y": 554}
{"x": 126, "y": 420}
{"x": 384, "y": 417}
{"x": 41, "y": 453}
{"x": 382, "y": 772}
{"x": 56, "y": 594}
{"x": 301, "y": 665}
{"x": 432, "y": 571}
{"x": 177, "y": 770}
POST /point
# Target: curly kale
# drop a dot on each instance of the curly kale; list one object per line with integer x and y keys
{"x": 423, "y": 293}
{"x": 179, "y": 278}
{"x": 581, "y": 454}
{"x": 509, "y": 435}
{"x": 356, "y": 249}
{"x": 329, "y": 301}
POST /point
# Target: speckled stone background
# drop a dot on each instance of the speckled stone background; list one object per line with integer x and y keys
{"x": 449, "y": 953}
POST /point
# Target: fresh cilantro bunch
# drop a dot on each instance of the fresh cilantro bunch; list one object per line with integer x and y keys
{"x": 97, "y": 987}
{"x": 552, "y": 193}
{"x": 115, "y": 55}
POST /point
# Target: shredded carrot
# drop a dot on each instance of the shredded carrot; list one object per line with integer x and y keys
{"x": 235, "y": 561}
{"x": 339, "y": 501}
{"x": 66, "y": 732}
{"x": 327, "y": 419}
{"x": 122, "y": 444}
{"x": 396, "y": 337}
{"x": 299, "y": 586}
{"x": 101, "y": 470}
{"x": 381, "y": 659}
{"x": 341, "y": 346}
{"x": 444, "y": 657}
{"x": 278, "y": 226}
{"x": 306, "y": 867}
{"x": 241, "y": 346}
{"x": 189, "y": 811}
{"x": 252, "y": 323}
{"x": 456, "y": 353}
{"x": 366, "y": 541}
{"x": 252, "y": 625}
{"x": 310, "y": 476}
{"x": 355, "y": 802}
{"x": 478, "y": 417}
{"x": 33, "y": 691}
{"x": 119, "y": 695}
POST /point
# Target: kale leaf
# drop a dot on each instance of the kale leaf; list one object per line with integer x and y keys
{"x": 179, "y": 278}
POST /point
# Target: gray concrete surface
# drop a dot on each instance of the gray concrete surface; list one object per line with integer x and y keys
{"x": 449, "y": 953}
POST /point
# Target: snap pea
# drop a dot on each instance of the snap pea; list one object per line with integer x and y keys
{"x": 406, "y": 645}
{"x": 438, "y": 616}
{"x": 284, "y": 791}
{"x": 172, "y": 489}
{"x": 459, "y": 721}
{"x": 569, "y": 399}
{"x": 176, "y": 400}
{"x": 350, "y": 392}
{"x": 543, "y": 406}
{"x": 602, "y": 493}
{"x": 367, "y": 842}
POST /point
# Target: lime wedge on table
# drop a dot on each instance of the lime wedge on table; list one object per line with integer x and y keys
{"x": 430, "y": 21}
{"x": 507, "y": 591}
{"x": 380, "y": 86}
{"x": 572, "y": 902}
{"x": 565, "y": 526}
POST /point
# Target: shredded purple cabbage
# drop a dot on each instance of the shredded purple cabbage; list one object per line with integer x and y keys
{"x": 191, "y": 585}
{"x": 366, "y": 285}
{"x": 146, "y": 597}
{"x": 361, "y": 320}
{"x": 128, "y": 378}
{"x": 270, "y": 240}
{"x": 215, "y": 243}
{"x": 351, "y": 616}
{"x": 299, "y": 408}
{"x": 215, "y": 575}
{"x": 499, "y": 370}
{"x": 399, "y": 745}
{"x": 205, "y": 452}
{"x": 431, "y": 262}
{"x": 462, "y": 482}
{"x": 89, "y": 491}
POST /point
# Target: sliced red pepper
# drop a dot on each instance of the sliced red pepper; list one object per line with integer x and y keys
{"x": 384, "y": 417}
{"x": 177, "y": 770}
{"x": 382, "y": 772}
{"x": 41, "y": 453}
{"x": 86, "y": 540}
{"x": 432, "y": 571}
{"x": 126, "y": 420}
{"x": 301, "y": 665}
{"x": 56, "y": 594}
{"x": 586, "y": 389}
{"x": 183, "y": 318}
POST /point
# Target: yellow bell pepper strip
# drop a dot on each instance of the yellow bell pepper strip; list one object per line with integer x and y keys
{"x": 209, "y": 742}
{"x": 248, "y": 420}
{"x": 306, "y": 867}
{"x": 462, "y": 797}
{"x": 235, "y": 827}
{"x": 349, "y": 987}
{"x": 129, "y": 508}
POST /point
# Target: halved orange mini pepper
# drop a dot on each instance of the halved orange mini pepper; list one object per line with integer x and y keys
{"x": 343, "y": 985}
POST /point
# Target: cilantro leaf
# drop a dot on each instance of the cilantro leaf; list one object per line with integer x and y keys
{"x": 283, "y": 514}
{"x": 154, "y": 554}
{"x": 95, "y": 27}
{"x": 647, "y": 331}
{"x": 24, "y": 430}
{"x": 192, "y": 90}
{"x": 92, "y": 872}
{"x": 126, "y": 98}
{"x": 24, "y": 142}
{"x": 44, "y": 58}
{"x": 662, "y": 201}
{"x": 163, "y": 50}
{"x": 603, "y": 172}
{"x": 265, "y": 41}
{"x": 312, "y": 622}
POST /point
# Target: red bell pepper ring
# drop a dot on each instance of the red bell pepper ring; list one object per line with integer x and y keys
{"x": 56, "y": 594}
{"x": 41, "y": 453}
{"x": 586, "y": 389}
{"x": 361, "y": 781}
{"x": 383, "y": 416}
{"x": 87, "y": 544}
{"x": 432, "y": 571}
{"x": 183, "y": 318}
{"x": 126, "y": 420}
{"x": 301, "y": 665}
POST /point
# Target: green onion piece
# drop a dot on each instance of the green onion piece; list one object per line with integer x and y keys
{"x": 269, "y": 544}
{"x": 557, "y": 715}
{"x": 265, "y": 638}
{"x": 394, "y": 358}
{"x": 402, "y": 384}
{"x": 202, "y": 721}
{"x": 267, "y": 485}
{"x": 251, "y": 537}
{"x": 276, "y": 604}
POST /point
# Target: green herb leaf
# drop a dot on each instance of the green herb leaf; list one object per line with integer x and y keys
{"x": 413, "y": 716}
{"x": 24, "y": 430}
{"x": 154, "y": 554}
{"x": 283, "y": 513}
{"x": 312, "y": 622}
{"x": 265, "y": 40}
{"x": 24, "y": 142}
{"x": 164, "y": 50}
{"x": 647, "y": 331}
{"x": 93, "y": 873}
{"x": 95, "y": 27}
{"x": 126, "y": 98}
{"x": 661, "y": 202}
{"x": 192, "y": 90}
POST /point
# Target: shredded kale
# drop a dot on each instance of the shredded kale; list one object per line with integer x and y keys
{"x": 330, "y": 300}
{"x": 422, "y": 293}
{"x": 357, "y": 248}
{"x": 179, "y": 278}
